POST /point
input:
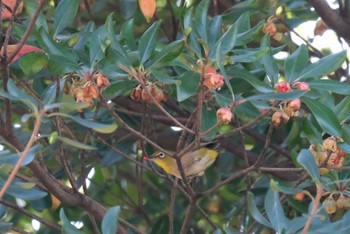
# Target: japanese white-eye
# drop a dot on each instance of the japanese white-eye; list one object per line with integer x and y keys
{"x": 194, "y": 163}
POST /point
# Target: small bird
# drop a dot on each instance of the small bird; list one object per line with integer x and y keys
{"x": 194, "y": 163}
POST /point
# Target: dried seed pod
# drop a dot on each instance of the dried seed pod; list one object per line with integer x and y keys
{"x": 330, "y": 144}
{"x": 329, "y": 205}
{"x": 343, "y": 202}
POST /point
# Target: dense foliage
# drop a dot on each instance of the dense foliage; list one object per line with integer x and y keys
{"x": 88, "y": 88}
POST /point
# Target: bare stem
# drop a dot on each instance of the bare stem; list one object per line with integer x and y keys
{"x": 22, "y": 156}
{"x": 319, "y": 191}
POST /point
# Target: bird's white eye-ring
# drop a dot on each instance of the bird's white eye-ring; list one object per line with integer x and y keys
{"x": 161, "y": 155}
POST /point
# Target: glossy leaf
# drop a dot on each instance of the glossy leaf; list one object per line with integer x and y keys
{"x": 188, "y": 86}
{"x": 114, "y": 43}
{"x": 295, "y": 63}
{"x": 76, "y": 144}
{"x": 214, "y": 30}
{"x": 277, "y": 96}
{"x": 5, "y": 226}
{"x": 346, "y": 133}
{"x": 64, "y": 15}
{"x": 98, "y": 127}
{"x": 31, "y": 7}
{"x": 67, "y": 227}
{"x": 242, "y": 73}
{"x": 200, "y": 17}
{"x": 128, "y": 34}
{"x": 97, "y": 47}
{"x": 209, "y": 119}
{"x": 307, "y": 160}
{"x": 343, "y": 109}
{"x": 13, "y": 158}
{"x": 274, "y": 211}
{"x": 323, "y": 67}
{"x": 330, "y": 85}
{"x": 147, "y": 42}
{"x": 250, "y": 35}
{"x": 220, "y": 62}
{"x": 167, "y": 54}
{"x": 127, "y": 8}
{"x": 18, "y": 189}
{"x": 117, "y": 88}
{"x": 269, "y": 62}
{"x": 148, "y": 8}
{"x": 110, "y": 220}
{"x": 249, "y": 56}
{"x": 255, "y": 213}
{"x": 32, "y": 63}
{"x": 325, "y": 117}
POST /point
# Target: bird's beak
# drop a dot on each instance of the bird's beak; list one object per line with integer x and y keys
{"x": 145, "y": 158}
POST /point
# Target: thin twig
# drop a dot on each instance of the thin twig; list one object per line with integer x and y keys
{"x": 188, "y": 217}
{"x": 172, "y": 205}
{"x": 22, "y": 156}
{"x": 319, "y": 191}
{"x": 31, "y": 215}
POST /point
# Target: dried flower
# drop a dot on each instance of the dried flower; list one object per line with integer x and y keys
{"x": 270, "y": 27}
{"x": 212, "y": 80}
{"x": 145, "y": 94}
{"x": 343, "y": 202}
{"x": 329, "y": 205}
{"x": 224, "y": 115}
{"x": 101, "y": 80}
{"x": 278, "y": 117}
{"x": 330, "y": 144}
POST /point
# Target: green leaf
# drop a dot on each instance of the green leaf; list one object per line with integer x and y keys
{"x": 32, "y": 63}
{"x": 164, "y": 78}
{"x": 201, "y": 15}
{"x": 250, "y": 35}
{"x": 120, "y": 87}
{"x": 127, "y": 34}
{"x": 188, "y": 86}
{"x": 215, "y": 30}
{"x": 98, "y": 127}
{"x": 166, "y": 55}
{"x": 295, "y": 63}
{"x": 114, "y": 43}
{"x": 331, "y": 86}
{"x": 67, "y": 227}
{"x": 274, "y": 211}
{"x": 67, "y": 105}
{"x": 220, "y": 62}
{"x": 76, "y": 144}
{"x": 223, "y": 100}
{"x": 49, "y": 94}
{"x": 65, "y": 14}
{"x": 255, "y": 213}
{"x": 97, "y": 45}
{"x": 346, "y": 133}
{"x": 147, "y": 42}
{"x": 242, "y": 73}
{"x": 277, "y": 96}
{"x": 110, "y": 220}
{"x": 343, "y": 109}
{"x": 307, "y": 160}
{"x": 276, "y": 186}
{"x": 269, "y": 62}
{"x": 31, "y": 7}
{"x": 209, "y": 119}
{"x": 323, "y": 67}
{"x": 127, "y": 8}
{"x": 5, "y": 226}
{"x": 249, "y": 55}
{"x": 325, "y": 117}
{"x": 14, "y": 93}
{"x": 13, "y": 158}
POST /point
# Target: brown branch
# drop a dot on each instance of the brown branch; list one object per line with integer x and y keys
{"x": 190, "y": 211}
{"x": 332, "y": 19}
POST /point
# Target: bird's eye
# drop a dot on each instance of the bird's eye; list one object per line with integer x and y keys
{"x": 161, "y": 155}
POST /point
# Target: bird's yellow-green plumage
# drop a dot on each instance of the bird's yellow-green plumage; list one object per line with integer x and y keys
{"x": 194, "y": 163}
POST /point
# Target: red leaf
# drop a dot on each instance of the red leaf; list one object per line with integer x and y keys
{"x": 10, "y": 4}
{"x": 24, "y": 50}
{"x": 148, "y": 8}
